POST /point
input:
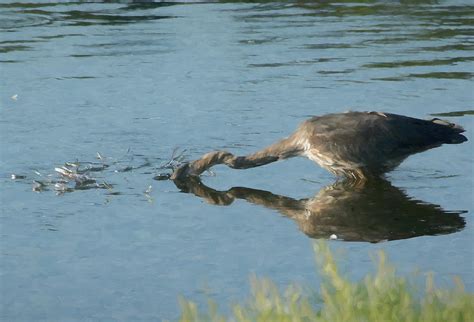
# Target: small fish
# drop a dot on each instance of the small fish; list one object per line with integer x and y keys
{"x": 71, "y": 164}
{"x": 65, "y": 172}
{"x": 17, "y": 176}
{"x": 60, "y": 187}
{"x": 38, "y": 186}
{"x": 14, "y": 97}
{"x": 99, "y": 156}
{"x": 162, "y": 176}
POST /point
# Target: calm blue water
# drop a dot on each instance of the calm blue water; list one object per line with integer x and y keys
{"x": 134, "y": 82}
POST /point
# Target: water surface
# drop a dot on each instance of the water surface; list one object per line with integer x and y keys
{"x": 135, "y": 81}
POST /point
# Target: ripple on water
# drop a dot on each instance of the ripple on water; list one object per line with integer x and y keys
{"x": 12, "y": 20}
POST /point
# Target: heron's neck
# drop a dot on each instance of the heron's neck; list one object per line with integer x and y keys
{"x": 280, "y": 150}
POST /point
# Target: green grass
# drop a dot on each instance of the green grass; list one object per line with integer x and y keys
{"x": 383, "y": 296}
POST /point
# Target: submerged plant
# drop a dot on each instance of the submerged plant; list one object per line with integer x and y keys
{"x": 383, "y": 296}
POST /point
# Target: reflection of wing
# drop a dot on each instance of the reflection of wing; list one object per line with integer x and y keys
{"x": 372, "y": 211}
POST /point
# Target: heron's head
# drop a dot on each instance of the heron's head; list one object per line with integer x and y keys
{"x": 181, "y": 172}
{"x": 195, "y": 168}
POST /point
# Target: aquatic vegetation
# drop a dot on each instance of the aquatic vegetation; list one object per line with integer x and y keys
{"x": 382, "y": 296}
{"x": 455, "y": 113}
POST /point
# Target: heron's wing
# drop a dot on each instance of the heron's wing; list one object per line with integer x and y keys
{"x": 415, "y": 135}
{"x": 373, "y": 138}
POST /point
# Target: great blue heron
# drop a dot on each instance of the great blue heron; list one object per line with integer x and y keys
{"x": 356, "y": 145}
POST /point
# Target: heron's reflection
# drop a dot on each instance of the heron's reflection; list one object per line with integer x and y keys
{"x": 371, "y": 211}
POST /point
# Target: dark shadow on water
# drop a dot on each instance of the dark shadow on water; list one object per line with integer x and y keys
{"x": 27, "y": 15}
{"x": 370, "y": 212}
{"x": 454, "y": 114}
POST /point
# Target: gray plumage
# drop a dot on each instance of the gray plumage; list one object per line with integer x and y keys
{"x": 356, "y": 145}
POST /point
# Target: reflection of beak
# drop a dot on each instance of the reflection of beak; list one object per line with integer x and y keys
{"x": 193, "y": 184}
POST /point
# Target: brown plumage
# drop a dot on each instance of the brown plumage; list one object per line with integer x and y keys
{"x": 356, "y": 145}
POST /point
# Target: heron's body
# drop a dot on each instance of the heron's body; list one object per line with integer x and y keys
{"x": 355, "y": 144}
